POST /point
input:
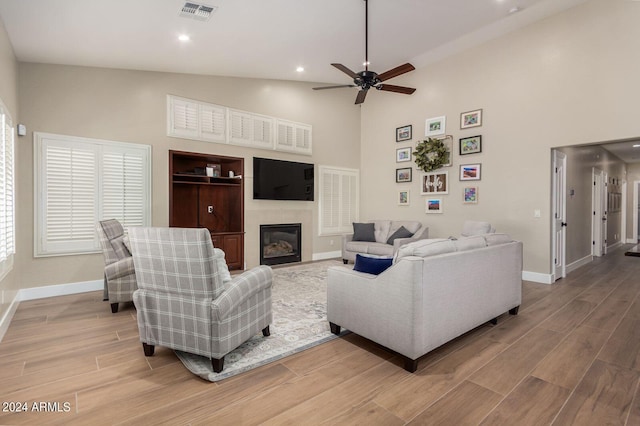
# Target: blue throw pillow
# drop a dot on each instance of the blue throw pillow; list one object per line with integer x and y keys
{"x": 371, "y": 265}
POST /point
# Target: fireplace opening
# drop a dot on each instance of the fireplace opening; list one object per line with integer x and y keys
{"x": 280, "y": 243}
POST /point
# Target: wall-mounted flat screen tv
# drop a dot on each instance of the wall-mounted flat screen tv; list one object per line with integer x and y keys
{"x": 282, "y": 180}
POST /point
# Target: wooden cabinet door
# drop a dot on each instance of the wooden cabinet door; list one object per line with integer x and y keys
{"x": 233, "y": 249}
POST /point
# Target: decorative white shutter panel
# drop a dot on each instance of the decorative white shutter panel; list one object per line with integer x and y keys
{"x": 9, "y": 189}
{"x": 285, "y": 136}
{"x": 338, "y": 200}
{"x": 303, "y": 139}
{"x": 213, "y": 120}
{"x": 123, "y": 187}
{"x": 70, "y": 197}
{"x": 241, "y": 128}
{"x": 262, "y": 132}
{"x": 183, "y": 118}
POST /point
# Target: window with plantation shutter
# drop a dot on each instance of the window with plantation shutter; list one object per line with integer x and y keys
{"x": 81, "y": 181}
{"x": 7, "y": 192}
{"x": 339, "y": 200}
{"x": 294, "y": 137}
{"x": 191, "y": 119}
{"x": 249, "y": 129}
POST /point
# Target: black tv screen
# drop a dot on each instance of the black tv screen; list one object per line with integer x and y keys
{"x": 282, "y": 180}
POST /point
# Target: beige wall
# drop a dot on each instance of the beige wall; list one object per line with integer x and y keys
{"x": 9, "y": 96}
{"x": 130, "y": 106}
{"x": 570, "y": 79}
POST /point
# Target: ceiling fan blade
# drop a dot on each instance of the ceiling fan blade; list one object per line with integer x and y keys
{"x": 334, "y": 87}
{"x": 346, "y": 71}
{"x": 396, "y": 71}
{"x": 396, "y": 89}
{"x": 361, "y": 95}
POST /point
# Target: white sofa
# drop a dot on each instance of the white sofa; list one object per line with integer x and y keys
{"x": 383, "y": 229}
{"x": 435, "y": 291}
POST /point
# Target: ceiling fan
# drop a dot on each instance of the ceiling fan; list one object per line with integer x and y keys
{"x": 369, "y": 79}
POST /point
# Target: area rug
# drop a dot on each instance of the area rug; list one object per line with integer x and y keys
{"x": 299, "y": 297}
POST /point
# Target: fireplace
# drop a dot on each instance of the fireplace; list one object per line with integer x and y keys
{"x": 280, "y": 243}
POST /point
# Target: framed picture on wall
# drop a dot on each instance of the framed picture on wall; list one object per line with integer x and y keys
{"x": 403, "y": 133}
{"x": 471, "y": 119}
{"x": 433, "y": 205}
{"x": 403, "y": 154}
{"x": 435, "y": 126}
{"x": 470, "y": 195}
{"x": 435, "y": 183}
{"x": 403, "y": 198}
{"x": 471, "y": 145}
{"x": 403, "y": 175}
{"x": 470, "y": 172}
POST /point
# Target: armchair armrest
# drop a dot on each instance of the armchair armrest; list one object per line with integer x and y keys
{"x": 119, "y": 269}
{"x": 422, "y": 234}
{"x": 240, "y": 289}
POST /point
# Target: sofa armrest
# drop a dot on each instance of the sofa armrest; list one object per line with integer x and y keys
{"x": 346, "y": 238}
{"x": 422, "y": 234}
{"x": 240, "y": 289}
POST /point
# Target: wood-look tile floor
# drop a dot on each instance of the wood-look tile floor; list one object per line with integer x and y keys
{"x": 571, "y": 356}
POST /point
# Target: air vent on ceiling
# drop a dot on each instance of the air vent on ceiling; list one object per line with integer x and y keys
{"x": 200, "y": 12}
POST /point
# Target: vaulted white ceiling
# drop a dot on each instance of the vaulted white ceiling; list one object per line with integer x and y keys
{"x": 260, "y": 38}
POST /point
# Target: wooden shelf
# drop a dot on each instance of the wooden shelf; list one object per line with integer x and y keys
{"x": 192, "y": 194}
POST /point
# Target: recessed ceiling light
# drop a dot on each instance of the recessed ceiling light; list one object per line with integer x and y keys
{"x": 300, "y": 69}
{"x": 514, "y": 10}
{"x": 184, "y": 37}
{"x": 636, "y": 145}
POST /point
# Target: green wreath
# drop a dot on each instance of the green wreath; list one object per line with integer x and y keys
{"x": 431, "y": 154}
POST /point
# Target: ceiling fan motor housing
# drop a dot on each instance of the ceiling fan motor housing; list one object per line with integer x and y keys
{"x": 366, "y": 79}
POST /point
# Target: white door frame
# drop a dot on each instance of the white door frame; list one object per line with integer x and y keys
{"x": 599, "y": 217}
{"x": 559, "y": 216}
{"x": 634, "y": 227}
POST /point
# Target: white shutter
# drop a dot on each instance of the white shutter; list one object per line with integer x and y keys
{"x": 182, "y": 118}
{"x": 80, "y": 181}
{"x": 213, "y": 120}
{"x": 123, "y": 187}
{"x": 70, "y": 195}
{"x": 3, "y": 187}
{"x": 294, "y": 137}
{"x": 250, "y": 129}
{"x": 339, "y": 198}
{"x": 7, "y": 196}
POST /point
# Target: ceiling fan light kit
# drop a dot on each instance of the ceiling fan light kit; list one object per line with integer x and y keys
{"x": 366, "y": 79}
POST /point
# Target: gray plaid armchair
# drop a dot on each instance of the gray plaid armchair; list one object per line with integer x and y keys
{"x": 184, "y": 304}
{"x": 119, "y": 275}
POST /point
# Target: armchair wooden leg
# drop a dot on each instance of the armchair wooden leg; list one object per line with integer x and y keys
{"x": 266, "y": 332}
{"x": 114, "y": 308}
{"x": 217, "y": 364}
{"x": 148, "y": 349}
{"x": 335, "y": 328}
{"x": 514, "y": 311}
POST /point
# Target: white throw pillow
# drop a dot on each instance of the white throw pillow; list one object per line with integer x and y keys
{"x": 223, "y": 269}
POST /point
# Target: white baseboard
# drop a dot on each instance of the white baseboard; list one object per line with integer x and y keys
{"x": 59, "y": 290}
{"x": 631, "y": 241}
{"x": 7, "y": 317}
{"x": 326, "y": 255}
{"x": 578, "y": 263}
{"x": 614, "y": 246}
{"x": 537, "y": 277}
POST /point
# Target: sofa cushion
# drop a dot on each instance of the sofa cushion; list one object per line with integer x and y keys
{"x": 380, "y": 249}
{"x": 364, "y": 232}
{"x": 371, "y": 264}
{"x": 382, "y": 228}
{"x": 424, "y": 248}
{"x": 495, "y": 239}
{"x": 401, "y": 232}
{"x": 473, "y": 227}
{"x": 470, "y": 243}
{"x": 358, "y": 246}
